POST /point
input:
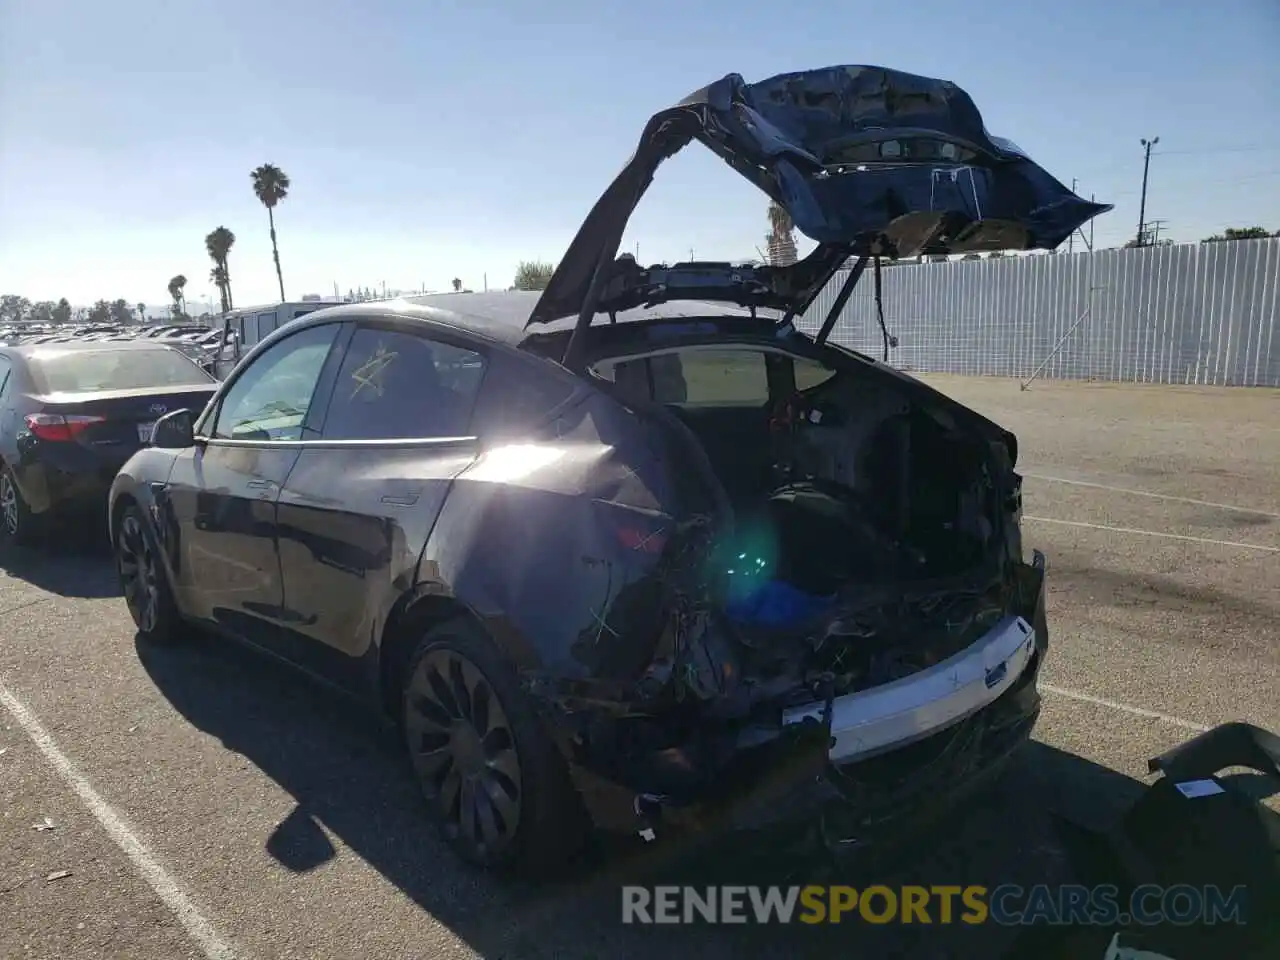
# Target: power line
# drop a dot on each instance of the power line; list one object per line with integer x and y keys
{"x": 1247, "y": 148}
{"x": 1248, "y": 177}
{"x": 1253, "y": 148}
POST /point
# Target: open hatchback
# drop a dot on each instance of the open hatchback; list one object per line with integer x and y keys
{"x": 823, "y": 602}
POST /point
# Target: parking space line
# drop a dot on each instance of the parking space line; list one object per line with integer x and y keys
{"x": 160, "y": 880}
{"x": 1155, "y": 533}
{"x": 22, "y": 606}
{"x": 1123, "y": 707}
{"x": 1155, "y": 496}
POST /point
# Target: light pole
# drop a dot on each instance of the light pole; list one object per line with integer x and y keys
{"x": 1071, "y": 240}
{"x": 1142, "y": 207}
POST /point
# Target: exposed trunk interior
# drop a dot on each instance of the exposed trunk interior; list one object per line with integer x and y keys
{"x": 849, "y": 481}
{"x": 877, "y": 496}
{"x": 867, "y": 524}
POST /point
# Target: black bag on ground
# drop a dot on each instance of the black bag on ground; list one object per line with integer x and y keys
{"x": 1192, "y": 827}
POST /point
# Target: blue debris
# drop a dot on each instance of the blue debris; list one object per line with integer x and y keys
{"x": 774, "y": 603}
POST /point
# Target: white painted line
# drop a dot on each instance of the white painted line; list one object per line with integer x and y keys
{"x": 1156, "y": 496}
{"x": 22, "y": 606}
{"x": 1123, "y": 707}
{"x": 1155, "y": 533}
{"x": 161, "y": 881}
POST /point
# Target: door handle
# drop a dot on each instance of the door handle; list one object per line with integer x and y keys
{"x": 405, "y": 501}
{"x": 260, "y": 484}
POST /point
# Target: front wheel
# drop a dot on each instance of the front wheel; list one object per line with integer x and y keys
{"x": 143, "y": 578}
{"x": 495, "y": 785}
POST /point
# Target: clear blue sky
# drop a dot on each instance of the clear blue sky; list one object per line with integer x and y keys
{"x": 437, "y": 139}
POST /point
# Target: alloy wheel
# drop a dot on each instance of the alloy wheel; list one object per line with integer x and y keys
{"x": 9, "y": 505}
{"x": 464, "y": 752}
{"x": 139, "y": 573}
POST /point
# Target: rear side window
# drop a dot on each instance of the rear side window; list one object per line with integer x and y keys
{"x": 517, "y": 395}
{"x": 810, "y": 373}
{"x": 399, "y": 386}
{"x": 89, "y": 371}
{"x": 701, "y": 377}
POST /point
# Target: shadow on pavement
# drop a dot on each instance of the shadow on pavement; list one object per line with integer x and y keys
{"x": 346, "y": 773}
{"x": 74, "y": 561}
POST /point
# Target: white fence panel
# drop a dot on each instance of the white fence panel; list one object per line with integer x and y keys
{"x": 1193, "y": 313}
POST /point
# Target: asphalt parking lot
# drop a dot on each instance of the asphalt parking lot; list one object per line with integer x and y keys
{"x": 200, "y": 802}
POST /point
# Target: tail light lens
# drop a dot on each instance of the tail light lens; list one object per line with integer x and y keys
{"x": 636, "y": 530}
{"x": 642, "y": 540}
{"x": 56, "y": 426}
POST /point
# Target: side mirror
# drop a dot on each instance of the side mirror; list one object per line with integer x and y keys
{"x": 174, "y": 431}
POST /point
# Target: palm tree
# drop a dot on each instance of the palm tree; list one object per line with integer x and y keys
{"x": 219, "y": 277}
{"x": 176, "y": 286}
{"x": 457, "y": 284}
{"x": 142, "y": 313}
{"x": 781, "y": 238}
{"x": 271, "y": 184}
{"x": 218, "y": 244}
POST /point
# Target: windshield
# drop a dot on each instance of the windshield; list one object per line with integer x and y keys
{"x": 91, "y": 371}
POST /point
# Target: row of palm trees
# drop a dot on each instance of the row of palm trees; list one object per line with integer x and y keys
{"x": 270, "y": 185}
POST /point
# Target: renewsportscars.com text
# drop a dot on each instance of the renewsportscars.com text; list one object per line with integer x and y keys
{"x": 1008, "y": 905}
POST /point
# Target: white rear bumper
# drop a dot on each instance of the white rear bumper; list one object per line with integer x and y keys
{"x": 897, "y": 713}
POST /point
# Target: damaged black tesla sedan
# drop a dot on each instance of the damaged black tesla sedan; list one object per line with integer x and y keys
{"x": 636, "y": 553}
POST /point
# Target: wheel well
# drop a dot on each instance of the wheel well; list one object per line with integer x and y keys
{"x": 405, "y": 627}
{"x": 123, "y": 502}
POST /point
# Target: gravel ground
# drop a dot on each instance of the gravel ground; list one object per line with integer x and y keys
{"x": 250, "y": 815}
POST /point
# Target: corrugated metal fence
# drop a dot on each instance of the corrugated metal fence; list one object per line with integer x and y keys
{"x": 1193, "y": 313}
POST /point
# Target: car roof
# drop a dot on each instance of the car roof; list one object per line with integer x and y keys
{"x": 500, "y": 316}
{"x": 26, "y": 350}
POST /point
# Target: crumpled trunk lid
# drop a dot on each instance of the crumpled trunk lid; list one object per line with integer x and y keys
{"x": 866, "y": 161}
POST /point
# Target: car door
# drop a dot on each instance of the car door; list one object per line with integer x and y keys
{"x": 360, "y": 502}
{"x": 222, "y": 492}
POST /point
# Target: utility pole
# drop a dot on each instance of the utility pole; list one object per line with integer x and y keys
{"x": 1071, "y": 240}
{"x": 1142, "y": 207}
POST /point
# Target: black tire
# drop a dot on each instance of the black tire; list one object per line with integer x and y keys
{"x": 19, "y": 525}
{"x": 497, "y": 788}
{"x": 143, "y": 578}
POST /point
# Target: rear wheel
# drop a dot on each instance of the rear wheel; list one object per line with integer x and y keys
{"x": 143, "y": 579}
{"x": 495, "y": 785}
{"x": 19, "y": 523}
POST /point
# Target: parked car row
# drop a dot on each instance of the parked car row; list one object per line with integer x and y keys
{"x": 200, "y": 343}
{"x": 691, "y": 566}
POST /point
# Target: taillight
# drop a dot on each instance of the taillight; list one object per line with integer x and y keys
{"x": 642, "y": 540}
{"x": 636, "y": 530}
{"x": 56, "y": 426}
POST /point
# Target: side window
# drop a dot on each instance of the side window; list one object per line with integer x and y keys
{"x": 516, "y": 395}
{"x": 399, "y": 386}
{"x": 270, "y": 399}
{"x": 6, "y": 371}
